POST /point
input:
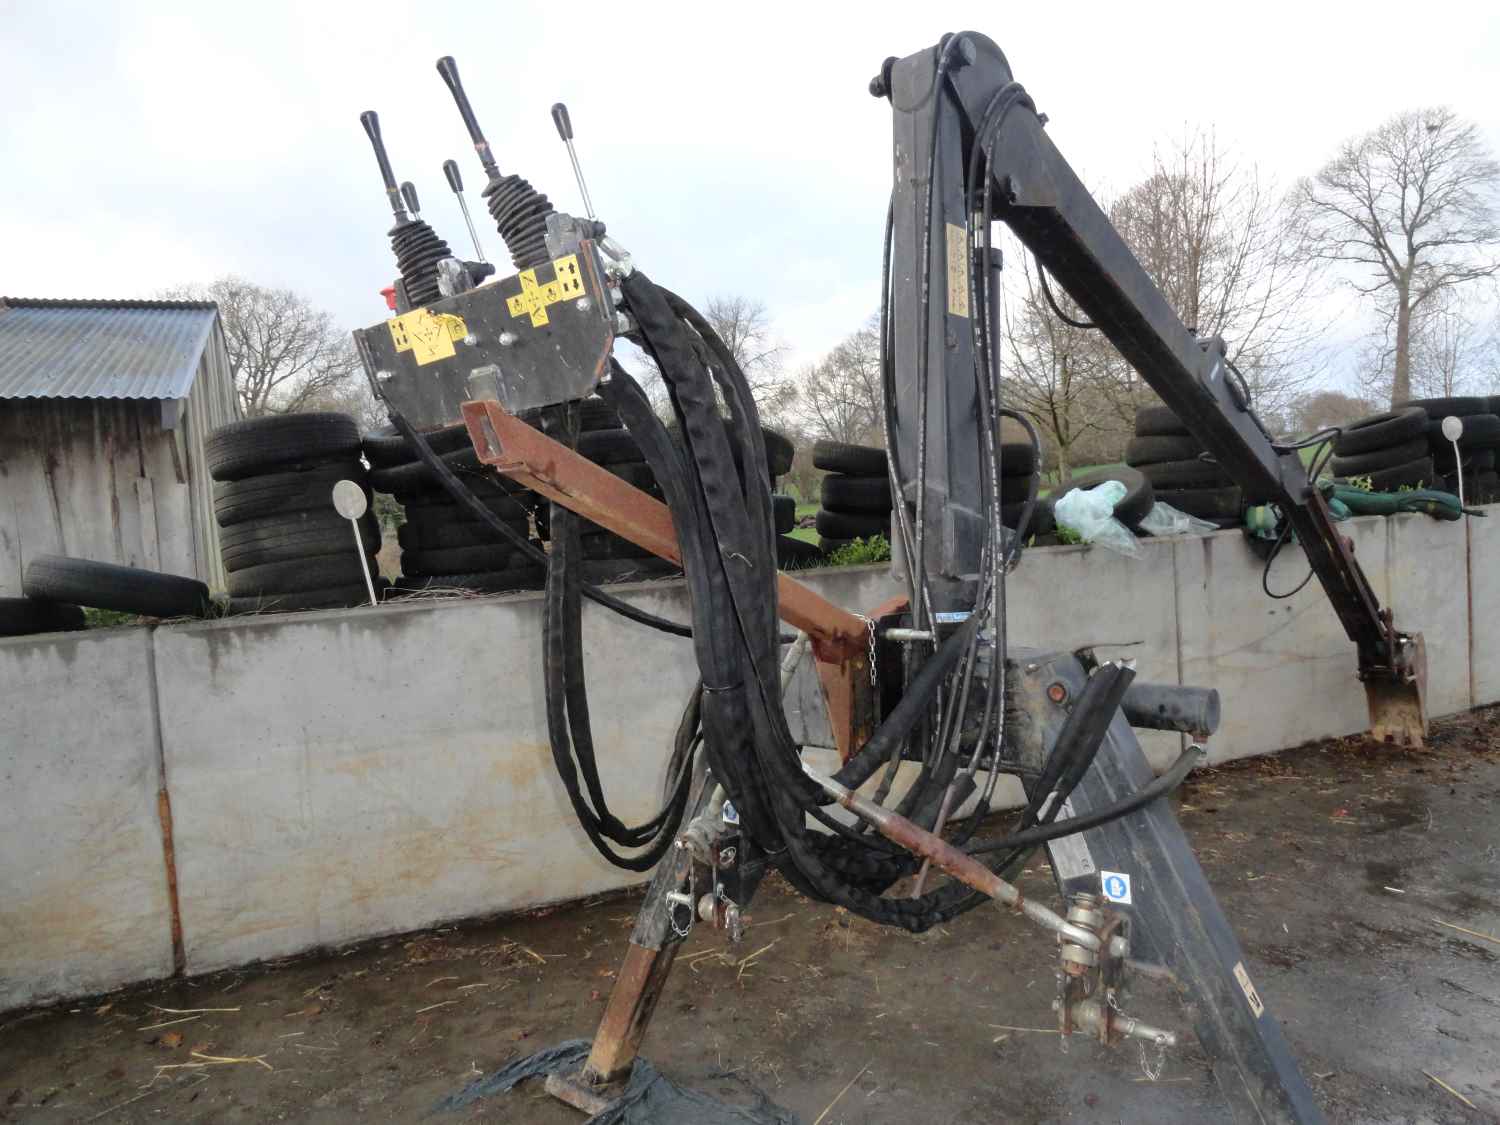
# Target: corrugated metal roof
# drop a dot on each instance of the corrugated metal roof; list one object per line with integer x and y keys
{"x": 101, "y": 349}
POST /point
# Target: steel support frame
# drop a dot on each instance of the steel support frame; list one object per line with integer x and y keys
{"x": 841, "y": 648}
{"x": 840, "y": 639}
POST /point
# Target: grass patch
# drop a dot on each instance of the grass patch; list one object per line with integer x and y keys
{"x": 859, "y": 552}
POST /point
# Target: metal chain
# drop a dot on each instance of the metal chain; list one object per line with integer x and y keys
{"x": 1152, "y": 1070}
{"x": 870, "y": 630}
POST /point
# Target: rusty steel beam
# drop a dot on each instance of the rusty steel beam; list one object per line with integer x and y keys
{"x": 643, "y": 975}
{"x": 839, "y": 638}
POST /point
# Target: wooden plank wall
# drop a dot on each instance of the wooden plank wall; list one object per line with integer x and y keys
{"x": 98, "y": 479}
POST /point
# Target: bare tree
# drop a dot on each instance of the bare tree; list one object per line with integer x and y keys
{"x": 1407, "y": 212}
{"x": 1212, "y": 233}
{"x": 744, "y": 324}
{"x": 1445, "y": 350}
{"x": 284, "y": 354}
{"x": 840, "y": 397}
{"x": 1319, "y": 410}
{"x": 1055, "y": 370}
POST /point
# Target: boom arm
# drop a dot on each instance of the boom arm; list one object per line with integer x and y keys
{"x": 948, "y": 104}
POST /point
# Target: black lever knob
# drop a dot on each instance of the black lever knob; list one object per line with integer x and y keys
{"x": 561, "y": 120}
{"x": 409, "y": 193}
{"x": 455, "y": 181}
{"x": 449, "y": 70}
{"x": 371, "y": 121}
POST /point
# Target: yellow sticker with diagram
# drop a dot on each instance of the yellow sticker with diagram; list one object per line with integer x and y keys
{"x": 428, "y": 336}
{"x": 535, "y": 295}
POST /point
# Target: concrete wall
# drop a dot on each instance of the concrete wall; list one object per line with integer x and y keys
{"x": 343, "y": 774}
{"x": 83, "y": 879}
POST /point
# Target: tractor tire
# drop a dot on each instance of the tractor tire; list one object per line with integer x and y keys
{"x": 491, "y": 582}
{"x": 1017, "y": 458}
{"x": 334, "y": 597}
{"x": 853, "y": 525}
{"x": 299, "y": 545}
{"x": 1042, "y": 521}
{"x": 315, "y": 572}
{"x": 1158, "y": 450}
{"x": 598, "y": 572}
{"x": 386, "y": 451}
{"x": 856, "y": 494}
{"x": 794, "y": 554}
{"x": 1205, "y": 503}
{"x": 1381, "y": 431}
{"x": 1132, "y": 507}
{"x": 609, "y": 447}
{"x": 1413, "y": 474}
{"x": 852, "y": 460}
{"x": 1158, "y": 421}
{"x": 1361, "y": 463}
{"x": 268, "y": 530}
{"x": 254, "y": 445}
{"x": 445, "y": 536}
{"x": 1014, "y": 490}
{"x": 783, "y": 513}
{"x": 126, "y": 589}
{"x": 24, "y": 617}
{"x": 1461, "y": 406}
{"x": 605, "y": 545}
{"x": 462, "y": 560}
{"x": 1186, "y": 474}
{"x": 236, "y": 501}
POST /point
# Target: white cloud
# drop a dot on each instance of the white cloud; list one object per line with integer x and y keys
{"x": 734, "y": 149}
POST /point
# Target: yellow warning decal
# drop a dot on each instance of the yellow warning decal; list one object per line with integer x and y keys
{"x": 1257, "y": 1006}
{"x": 428, "y": 336}
{"x": 958, "y": 270}
{"x": 535, "y": 296}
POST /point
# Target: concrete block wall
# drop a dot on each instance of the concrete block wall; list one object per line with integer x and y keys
{"x": 339, "y": 775}
{"x": 84, "y": 902}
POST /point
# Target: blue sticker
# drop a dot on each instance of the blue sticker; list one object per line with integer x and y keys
{"x": 1116, "y": 885}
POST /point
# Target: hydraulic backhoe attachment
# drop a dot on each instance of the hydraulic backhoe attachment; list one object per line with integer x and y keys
{"x": 511, "y": 357}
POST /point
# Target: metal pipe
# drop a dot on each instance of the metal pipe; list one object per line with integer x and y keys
{"x": 960, "y": 865}
{"x": 1192, "y": 710}
{"x": 904, "y": 636}
{"x": 1094, "y": 1017}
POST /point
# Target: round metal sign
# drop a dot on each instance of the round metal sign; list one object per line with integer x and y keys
{"x": 349, "y": 499}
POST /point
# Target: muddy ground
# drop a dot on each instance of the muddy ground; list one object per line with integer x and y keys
{"x": 1364, "y": 883}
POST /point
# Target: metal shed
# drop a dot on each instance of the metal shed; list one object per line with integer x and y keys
{"x": 104, "y": 408}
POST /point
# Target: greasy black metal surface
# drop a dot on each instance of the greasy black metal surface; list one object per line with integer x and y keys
{"x": 1192, "y": 710}
{"x": 1175, "y": 921}
{"x": 953, "y": 508}
{"x": 537, "y": 366}
{"x": 1055, "y": 217}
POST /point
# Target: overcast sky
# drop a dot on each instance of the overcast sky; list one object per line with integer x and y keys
{"x": 734, "y": 149}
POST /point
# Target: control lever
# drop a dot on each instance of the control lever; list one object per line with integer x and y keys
{"x": 409, "y": 193}
{"x": 456, "y": 182}
{"x": 565, "y": 131}
{"x": 449, "y": 70}
{"x": 371, "y": 121}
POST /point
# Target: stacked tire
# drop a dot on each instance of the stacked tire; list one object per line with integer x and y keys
{"x": 855, "y": 502}
{"x": 1390, "y": 450}
{"x": 1018, "y": 466}
{"x": 283, "y": 543}
{"x": 606, "y": 442}
{"x": 1477, "y": 446}
{"x": 1176, "y": 466}
{"x": 444, "y": 545}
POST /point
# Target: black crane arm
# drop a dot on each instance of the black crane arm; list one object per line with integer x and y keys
{"x": 957, "y": 108}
